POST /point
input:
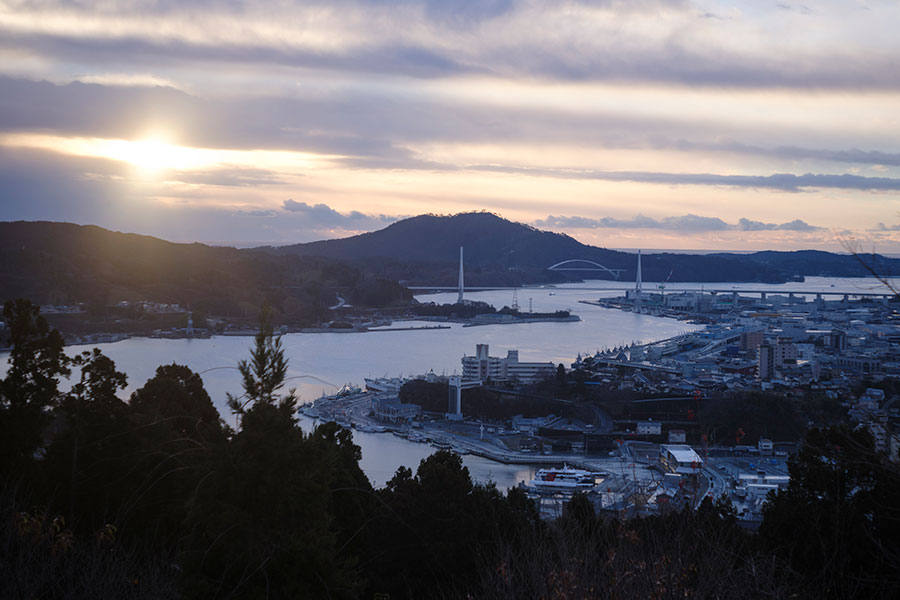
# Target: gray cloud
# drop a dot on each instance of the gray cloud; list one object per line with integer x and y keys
{"x": 368, "y": 130}
{"x": 678, "y": 58}
{"x": 881, "y": 227}
{"x": 852, "y": 155}
{"x": 797, "y": 8}
{"x": 686, "y": 223}
{"x": 389, "y": 58}
{"x": 324, "y": 215}
{"x": 230, "y": 176}
{"x": 257, "y": 213}
{"x": 371, "y": 132}
{"x": 780, "y": 181}
{"x": 795, "y": 225}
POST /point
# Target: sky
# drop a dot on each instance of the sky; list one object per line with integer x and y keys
{"x": 626, "y": 124}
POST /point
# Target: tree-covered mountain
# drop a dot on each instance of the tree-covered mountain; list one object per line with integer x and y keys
{"x": 425, "y": 250}
{"x": 824, "y": 264}
{"x": 63, "y": 264}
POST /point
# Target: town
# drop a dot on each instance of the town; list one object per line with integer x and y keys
{"x": 648, "y": 428}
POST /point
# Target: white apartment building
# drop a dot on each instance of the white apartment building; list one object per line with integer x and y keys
{"x": 482, "y": 367}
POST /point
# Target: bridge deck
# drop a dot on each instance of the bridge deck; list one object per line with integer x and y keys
{"x": 671, "y": 290}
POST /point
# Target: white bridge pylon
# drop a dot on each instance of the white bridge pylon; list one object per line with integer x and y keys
{"x": 560, "y": 266}
{"x": 457, "y": 385}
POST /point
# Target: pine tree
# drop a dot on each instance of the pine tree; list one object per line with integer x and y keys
{"x": 264, "y": 374}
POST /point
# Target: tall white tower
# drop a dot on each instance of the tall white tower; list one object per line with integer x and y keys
{"x": 637, "y": 284}
{"x": 459, "y": 298}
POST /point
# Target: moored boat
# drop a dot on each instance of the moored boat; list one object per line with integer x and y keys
{"x": 565, "y": 479}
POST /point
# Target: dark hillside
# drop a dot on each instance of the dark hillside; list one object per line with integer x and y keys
{"x": 825, "y": 264}
{"x": 425, "y": 250}
{"x": 63, "y": 264}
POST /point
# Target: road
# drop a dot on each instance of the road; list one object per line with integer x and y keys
{"x": 717, "y": 484}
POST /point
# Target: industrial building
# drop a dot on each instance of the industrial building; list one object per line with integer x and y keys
{"x": 679, "y": 458}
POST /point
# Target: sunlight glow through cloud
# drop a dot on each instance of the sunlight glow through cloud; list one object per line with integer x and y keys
{"x": 592, "y": 110}
{"x": 154, "y": 153}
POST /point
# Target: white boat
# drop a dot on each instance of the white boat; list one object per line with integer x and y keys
{"x": 310, "y": 411}
{"x": 384, "y": 385}
{"x": 348, "y": 389}
{"x": 565, "y": 479}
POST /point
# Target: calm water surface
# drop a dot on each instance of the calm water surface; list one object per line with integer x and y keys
{"x": 321, "y": 362}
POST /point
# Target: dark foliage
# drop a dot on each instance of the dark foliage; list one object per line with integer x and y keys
{"x": 758, "y": 414}
{"x": 701, "y": 554}
{"x": 838, "y": 523}
{"x": 491, "y": 404}
{"x": 40, "y": 557}
{"x": 435, "y": 528}
{"x": 29, "y": 391}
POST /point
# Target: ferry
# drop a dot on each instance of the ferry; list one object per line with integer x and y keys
{"x": 565, "y": 479}
{"x": 310, "y": 411}
{"x": 384, "y": 385}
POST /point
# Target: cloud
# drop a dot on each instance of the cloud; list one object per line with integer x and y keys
{"x": 780, "y": 181}
{"x": 881, "y": 227}
{"x": 686, "y": 224}
{"x": 257, "y": 213}
{"x": 324, "y": 215}
{"x": 851, "y": 155}
{"x": 797, "y": 8}
{"x": 574, "y": 41}
{"x": 694, "y": 223}
{"x": 43, "y": 185}
{"x": 369, "y": 130}
{"x": 795, "y": 225}
{"x": 230, "y": 176}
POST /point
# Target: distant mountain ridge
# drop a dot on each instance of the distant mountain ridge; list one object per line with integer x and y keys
{"x": 65, "y": 264}
{"x": 424, "y": 250}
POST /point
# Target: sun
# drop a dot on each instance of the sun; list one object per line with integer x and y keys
{"x": 152, "y": 154}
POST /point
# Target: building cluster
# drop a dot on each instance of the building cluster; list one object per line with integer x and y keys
{"x": 151, "y": 307}
{"x": 782, "y": 343}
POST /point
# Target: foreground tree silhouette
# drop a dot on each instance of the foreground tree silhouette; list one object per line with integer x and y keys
{"x": 177, "y": 431}
{"x": 263, "y": 375}
{"x": 90, "y": 457}
{"x": 261, "y": 523}
{"x": 838, "y": 522}
{"x": 30, "y": 389}
{"x": 436, "y": 529}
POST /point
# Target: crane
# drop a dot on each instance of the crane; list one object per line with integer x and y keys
{"x": 662, "y": 286}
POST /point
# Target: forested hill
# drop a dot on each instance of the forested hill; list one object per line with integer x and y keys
{"x": 425, "y": 250}
{"x": 63, "y": 263}
{"x": 824, "y": 264}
